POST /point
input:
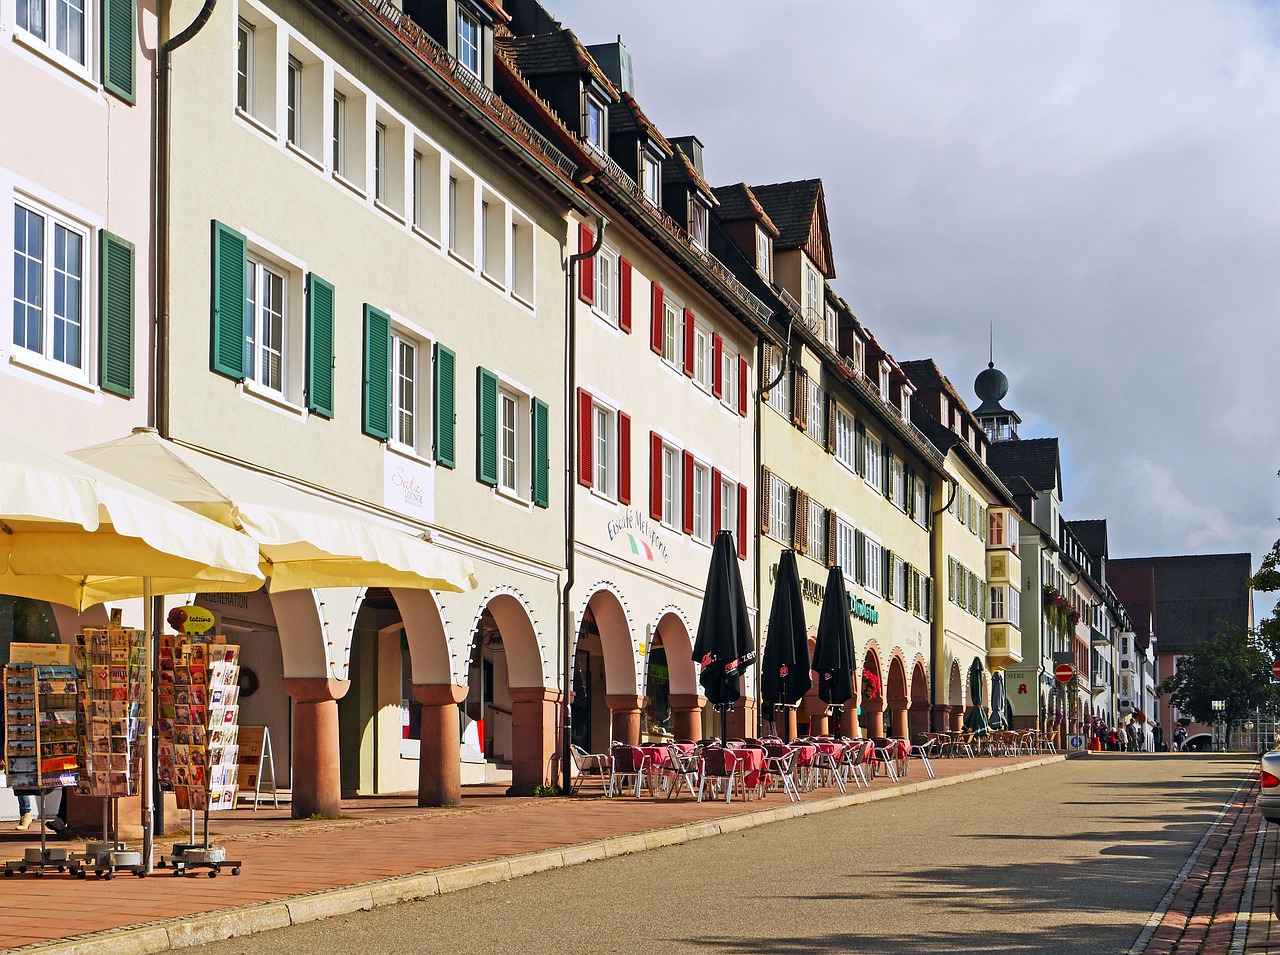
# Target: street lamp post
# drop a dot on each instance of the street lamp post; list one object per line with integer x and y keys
{"x": 1218, "y": 707}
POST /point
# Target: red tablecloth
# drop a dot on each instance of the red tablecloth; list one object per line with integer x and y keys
{"x": 751, "y": 762}
{"x": 658, "y": 755}
{"x": 807, "y": 751}
{"x": 829, "y": 746}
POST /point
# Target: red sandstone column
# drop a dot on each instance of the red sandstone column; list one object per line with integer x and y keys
{"x": 439, "y": 762}
{"x": 817, "y": 711}
{"x": 535, "y": 738}
{"x": 957, "y": 718}
{"x": 875, "y": 723}
{"x": 898, "y": 721}
{"x": 848, "y": 725}
{"x": 918, "y": 720}
{"x": 941, "y": 717}
{"x": 625, "y": 713}
{"x": 317, "y": 781}
{"x": 686, "y": 715}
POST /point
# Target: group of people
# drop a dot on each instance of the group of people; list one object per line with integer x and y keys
{"x": 1126, "y": 737}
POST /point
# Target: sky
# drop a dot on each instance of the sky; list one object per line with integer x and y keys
{"x": 1094, "y": 184}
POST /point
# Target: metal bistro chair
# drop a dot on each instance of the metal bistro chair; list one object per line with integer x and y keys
{"x": 828, "y": 765}
{"x": 589, "y": 764}
{"x": 682, "y": 768}
{"x": 721, "y": 765}
{"x": 853, "y": 763}
{"x": 885, "y": 752}
{"x": 780, "y": 763}
{"x": 628, "y": 761}
{"x": 923, "y": 749}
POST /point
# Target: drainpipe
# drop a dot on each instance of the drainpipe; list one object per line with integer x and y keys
{"x": 570, "y": 496}
{"x": 161, "y": 204}
{"x": 936, "y": 627}
{"x": 759, "y": 482}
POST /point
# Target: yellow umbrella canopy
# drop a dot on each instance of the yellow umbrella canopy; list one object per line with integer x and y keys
{"x": 304, "y": 540}
{"x": 75, "y": 535}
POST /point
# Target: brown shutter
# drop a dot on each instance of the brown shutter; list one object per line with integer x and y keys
{"x": 831, "y": 537}
{"x": 831, "y": 424}
{"x": 766, "y": 499}
{"x": 799, "y": 521}
{"x": 766, "y": 369}
{"x": 800, "y": 397}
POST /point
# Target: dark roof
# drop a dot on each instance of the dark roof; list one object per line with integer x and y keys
{"x": 627, "y": 117}
{"x": 739, "y": 202}
{"x": 1035, "y": 459}
{"x": 946, "y": 440}
{"x": 1092, "y": 536}
{"x": 552, "y": 54}
{"x": 680, "y": 169}
{"x": 1018, "y": 485}
{"x": 791, "y": 206}
{"x": 1135, "y": 585}
{"x": 1196, "y": 594}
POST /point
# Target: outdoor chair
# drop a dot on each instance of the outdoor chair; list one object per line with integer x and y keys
{"x": 721, "y": 766}
{"x": 682, "y": 768}
{"x": 626, "y": 762}
{"x": 901, "y": 755}
{"x": 780, "y": 763}
{"x": 853, "y": 763}
{"x": 921, "y": 751}
{"x": 826, "y": 766}
{"x": 885, "y": 752}
{"x": 588, "y": 764}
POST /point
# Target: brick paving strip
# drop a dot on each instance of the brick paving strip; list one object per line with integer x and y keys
{"x": 333, "y": 869}
{"x": 1208, "y": 908}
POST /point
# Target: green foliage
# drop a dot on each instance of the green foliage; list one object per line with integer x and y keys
{"x": 1233, "y": 666}
{"x": 546, "y": 791}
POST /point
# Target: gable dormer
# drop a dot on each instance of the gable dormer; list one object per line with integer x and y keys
{"x": 745, "y": 224}
{"x": 463, "y": 27}
{"x": 803, "y": 261}
{"x": 686, "y": 197}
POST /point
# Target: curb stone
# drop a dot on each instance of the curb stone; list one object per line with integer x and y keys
{"x": 221, "y": 924}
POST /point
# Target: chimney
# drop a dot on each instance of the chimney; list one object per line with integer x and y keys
{"x": 691, "y": 146}
{"x": 615, "y": 61}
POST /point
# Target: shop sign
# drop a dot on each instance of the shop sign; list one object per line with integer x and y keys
{"x": 190, "y": 619}
{"x": 637, "y": 535}
{"x": 813, "y": 592}
{"x": 41, "y": 654}
{"x": 408, "y": 488}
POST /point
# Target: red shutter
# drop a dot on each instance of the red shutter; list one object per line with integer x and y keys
{"x": 624, "y": 295}
{"x": 586, "y": 472}
{"x": 742, "y": 386}
{"x": 586, "y": 267}
{"x": 655, "y": 317}
{"x": 717, "y": 363}
{"x": 715, "y": 503}
{"x": 624, "y": 458}
{"x": 688, "y": 493}
{"x": 655, "y": 476}
{"x": 688, "y": 342}
{"x": 742, "y": 521}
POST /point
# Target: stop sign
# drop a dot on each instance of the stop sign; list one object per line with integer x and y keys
{"x": 1275, "y": 669}
{"x": 1063, "y": 672}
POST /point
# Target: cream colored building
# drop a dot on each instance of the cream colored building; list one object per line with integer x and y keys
{"x": 368, "y": 301}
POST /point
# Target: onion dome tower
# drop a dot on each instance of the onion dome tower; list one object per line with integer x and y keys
{"x": 1000, "y": 423}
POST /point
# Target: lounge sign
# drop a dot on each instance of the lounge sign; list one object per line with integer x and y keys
{"x": 813, "y": 592}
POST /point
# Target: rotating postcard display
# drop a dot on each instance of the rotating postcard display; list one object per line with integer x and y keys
{"x": 113, "y": 667}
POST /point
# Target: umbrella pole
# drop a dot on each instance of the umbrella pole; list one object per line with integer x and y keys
{"x": 148, "y": 768}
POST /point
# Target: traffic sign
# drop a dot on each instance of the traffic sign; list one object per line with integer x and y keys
{"x": 1063, "y": 672}
{"x": 1275, "y": 669}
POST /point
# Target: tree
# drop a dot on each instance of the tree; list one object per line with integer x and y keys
{"x": 1267, "y": 580}
{"x": 1234, "y": 666}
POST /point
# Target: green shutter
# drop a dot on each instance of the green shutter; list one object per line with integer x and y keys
{"x": 229, "y": 303}
{"x": 377, "y": 374}
{"x": 115, "y": 313}
{"x": 541, "y": 454}
{"x": 118, "y": 28}
{"x": 487, "y": 427}
{"x": 859, "y": 557}
{"x": 860, "y": 449}
{"x": 928, "y": 506}
{"x": 443, "y": 400}
{"x": 319, "y": 386}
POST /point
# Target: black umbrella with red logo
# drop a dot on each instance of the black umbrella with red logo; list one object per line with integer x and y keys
{"x": 784, "y": 671}
{"x": 724, "y": 646}
{"x": 833, "y": 650}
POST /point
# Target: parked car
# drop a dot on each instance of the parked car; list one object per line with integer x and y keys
{"x": 1269, "y": 794}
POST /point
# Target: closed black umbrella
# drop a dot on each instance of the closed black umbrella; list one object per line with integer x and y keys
{"x": 784, "y": 672}
{"x": 724, "y": 647}
{"x": 833, "y": 652}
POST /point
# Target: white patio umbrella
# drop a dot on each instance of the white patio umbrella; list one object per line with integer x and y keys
{"x": 74, "y": 535}
{"x": 304, "y": 540}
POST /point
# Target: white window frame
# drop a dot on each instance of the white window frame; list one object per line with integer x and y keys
{"x": 875, "y": 462}
{"x": 817, "y": 531}
{"x": 43, "y": 357}
{"x": 898, "y": 491}
{"x": 699, "y": 222}
{"x": 846, "y": 548}
{"x": 728, "y": 376}
{"x": 523, "y": 263}
{"x": 901, "y": 582}
{"x": 672, "y": 486}
{"x": 780, "y": 395}
{"x": 845, "y": 439}
{"x": 594, "y": 110}
{"x": 813, "y": 293}
{"x": 673, "y": 334}
{"x": 46, "y": 38}
{"x": 293, "y": 125}
{"x": 832, "y": 325}
{"x": 404, "y": 334}
{"x": 701, "y": 502}
{"x": 764, "y": 253}
{"x": 703, "y": 357}
{"x": 604, "y": 450}
{"x": 921, "y": 502}
{"x": 380, "y": 161}
{"x": 651, "y": 176}
{"x": 728, "y": 505}
{"x": 470, "y": 51}
{"x": 338, "y": 138}
{"x": 873, "y": 563}
{"x": 884, "y": 380}
{"x": 995, "y": 602}
{"x": 245, "y": 67}
{"x": 257, "y": 347}
{"x": 1015, "y": 605}
{"x": 816, "y": 422}
{"x": 607, "y": 290}
{"x": 781, "y": 520}
{"x": 512, "y": 471}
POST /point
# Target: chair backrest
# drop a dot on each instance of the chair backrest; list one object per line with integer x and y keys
{"x": 719, "y": 762}
{"x": 579, "y": 754}
{"x": 676, "y": 755}
{"x": 627, "y": 759}
{"x": 777, "y": 749}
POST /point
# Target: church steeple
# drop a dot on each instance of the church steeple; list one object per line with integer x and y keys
{"x": 1000, "y": 423}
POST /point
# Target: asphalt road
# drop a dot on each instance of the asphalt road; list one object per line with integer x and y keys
{"x": 1068, "y": 858}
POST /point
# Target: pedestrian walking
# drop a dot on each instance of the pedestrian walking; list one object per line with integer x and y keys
{"x": 1180, "y": 738}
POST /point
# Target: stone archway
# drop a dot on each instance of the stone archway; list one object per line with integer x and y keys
{"x": 671, "y": 650}
{"x": 896, "y": 699}
{"x": 872, "y": 707}
{"x": 606, "y": 691}
{"x": 955, "y": 697}
{"x": 918, "y": 715}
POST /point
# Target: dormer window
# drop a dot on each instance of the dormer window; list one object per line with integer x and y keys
{"x": 832, "y": 325}
{"x": 651, "y": 176}
{"x": 884, "y": 380}
{"x": 906, "y": 403}
{"x": 813, "y": 293}
{"x": 593, "y": 123}
{"x": 764, "y": 254}
{"x": 469, "y": 42}
{"x": 698, "y": 215}
{"x": 859, "y": 355}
